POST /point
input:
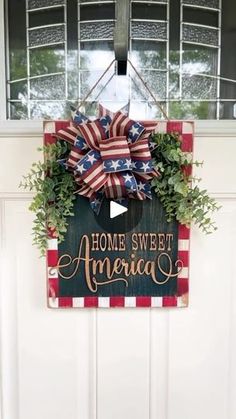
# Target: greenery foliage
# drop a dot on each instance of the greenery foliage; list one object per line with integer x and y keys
{"x": 54, "y": 189}
{"x": 177, "y": 189}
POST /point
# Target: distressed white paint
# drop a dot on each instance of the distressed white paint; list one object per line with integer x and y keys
{"x": 118, "y": 363}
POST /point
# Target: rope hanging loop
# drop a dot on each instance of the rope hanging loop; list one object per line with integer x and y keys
{"x": 157, "y": 102}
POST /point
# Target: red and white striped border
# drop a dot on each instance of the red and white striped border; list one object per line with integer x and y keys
{"x": 179, "y": 300}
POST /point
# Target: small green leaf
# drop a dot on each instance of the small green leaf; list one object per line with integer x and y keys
{"x": 180, "y": 198}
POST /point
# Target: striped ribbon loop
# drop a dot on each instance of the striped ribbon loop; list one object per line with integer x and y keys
{"x": 110, "y": 157}
{"x": 115, "y": 154}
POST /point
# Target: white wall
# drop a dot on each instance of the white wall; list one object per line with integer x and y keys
{"x": 118, "y": 363}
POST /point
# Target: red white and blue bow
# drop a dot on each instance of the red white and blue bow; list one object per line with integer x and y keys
{"x": 110, "y": 157}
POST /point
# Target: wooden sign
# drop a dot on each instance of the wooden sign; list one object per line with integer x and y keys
{"x": 136, "y": 259}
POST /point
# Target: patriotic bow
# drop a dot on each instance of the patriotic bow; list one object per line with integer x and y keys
{"x": 110, "y": 157}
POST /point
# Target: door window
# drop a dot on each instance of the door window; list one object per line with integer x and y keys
{"x": 184, "y": 49}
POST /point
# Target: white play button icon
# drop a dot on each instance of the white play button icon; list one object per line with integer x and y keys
{"x": 116, "y": 209}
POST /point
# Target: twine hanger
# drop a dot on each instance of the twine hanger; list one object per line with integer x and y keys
{"x": 157, "y": 103}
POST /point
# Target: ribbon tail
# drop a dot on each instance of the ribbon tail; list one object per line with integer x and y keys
{"x": 95, "y": 198}
{"x": 120, "y": 184}
{"x": 96, "y": 201}
{"x": 63, "y": 163}
{"x": 143, "y": 187}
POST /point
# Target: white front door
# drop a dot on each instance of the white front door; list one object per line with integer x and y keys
{"x": 118, "y": 363}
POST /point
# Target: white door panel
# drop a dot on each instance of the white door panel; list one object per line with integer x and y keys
{"x": 202, "y": 337}
{"x": 118, "y": 363}
{"x": 218, "y": 172}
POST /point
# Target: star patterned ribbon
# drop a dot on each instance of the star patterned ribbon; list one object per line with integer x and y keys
{"x": 110, "y": 157}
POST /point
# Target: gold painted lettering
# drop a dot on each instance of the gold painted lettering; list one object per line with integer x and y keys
{"x": 103, "y": 242}
{"x": 134, "y": 240}
{"x": 153, "y": 241}
{"x": 112, "y": 242}
{"x": 95, "y": 237}
{"x": 122, "y": 242}
{"x": 169, "y": 238}
{"x": 161, "y": 237}
{"x": 83, "y": 247}
{"x": 143, "y": 239}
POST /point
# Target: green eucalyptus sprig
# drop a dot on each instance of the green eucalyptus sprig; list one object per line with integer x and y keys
{"x": 54, "y": 189}
{"x": 176, "y": 187}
